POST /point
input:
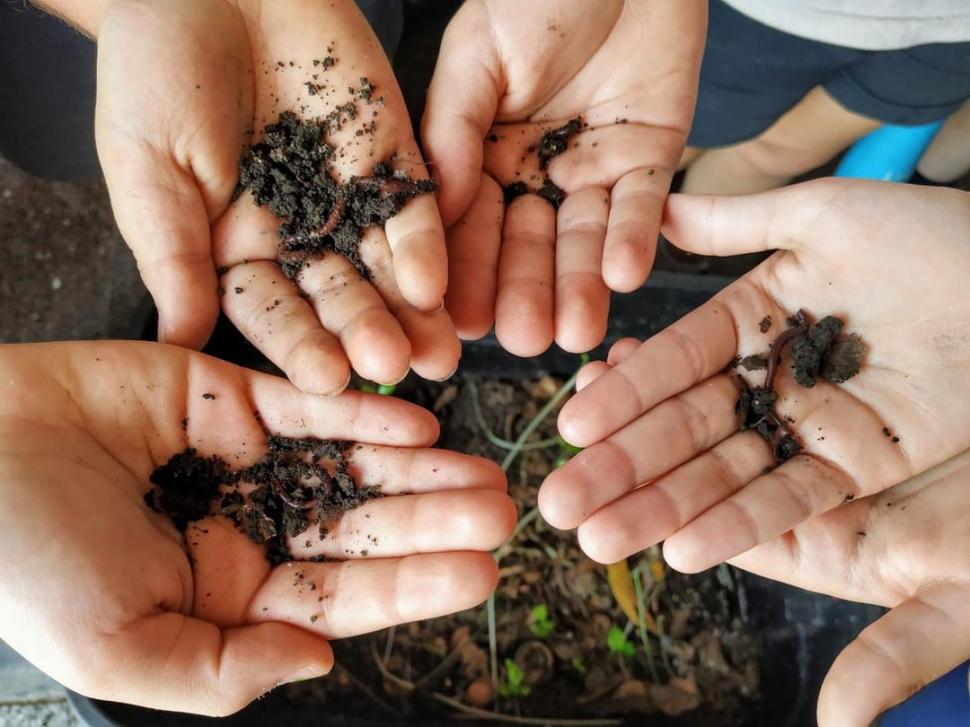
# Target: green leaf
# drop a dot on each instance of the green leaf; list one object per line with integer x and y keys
{"x": 618, "y": 643}
{"x": 386, "y": 389}
{"x": 514, "y": 684}
{"x": 540, "y": 624}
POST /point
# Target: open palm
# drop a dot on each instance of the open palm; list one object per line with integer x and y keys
{"x": 183, "y": 86}
{"x": 908, "y": 549}
{"x": 507, "y": 73}
{"x": 98, "y": 590}
{"x": 665, "y": 460}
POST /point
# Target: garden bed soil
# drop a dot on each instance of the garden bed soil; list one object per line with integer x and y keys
{"x": 565, "y": 647}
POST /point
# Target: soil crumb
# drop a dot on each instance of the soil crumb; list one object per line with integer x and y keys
{"x": 291, "y": 171}
{"x": 552, "y": 144}
{"x": 555, "y": 142}
{"x": 821, "y": 352}
{"x": 295, "y": 484}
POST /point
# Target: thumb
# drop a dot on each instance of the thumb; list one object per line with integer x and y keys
{"x": 919, "y": 640}
{"x": 177, "y": 663}
{"x": 714, "y": 225}
{"x": 162, "y": 216}
{"x": 462, "y": 101}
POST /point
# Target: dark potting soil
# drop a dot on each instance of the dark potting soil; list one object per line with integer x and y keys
{"x": 291, "y": 171}
{"x": 296, "y": 484}
{"x": 817, "y": 350}
{"x": 552, "y": 144}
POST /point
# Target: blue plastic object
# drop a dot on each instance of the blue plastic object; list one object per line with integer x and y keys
{"x": 889, "y": 153}
{"x": 943, "y": 703}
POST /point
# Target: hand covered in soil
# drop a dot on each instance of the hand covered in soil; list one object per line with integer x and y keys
{"x": 508, "y": 73}
{"x": 907, "y": 549}
{"x": 183, "y": 87}
{"x": 664, "y": 457}
{"x": 99, "y": 591}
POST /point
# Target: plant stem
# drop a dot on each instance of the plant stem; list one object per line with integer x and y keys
{"x": 497, "y": 440}
{"x": 642, "y": 624}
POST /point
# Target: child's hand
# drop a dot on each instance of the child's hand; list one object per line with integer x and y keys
{"x": 665, "y": 459}
{"x": 908, "y": 549}
{"x": 510, "y": 71}
{"x": 183, "y": 86}
{"x": 98, "y": 590}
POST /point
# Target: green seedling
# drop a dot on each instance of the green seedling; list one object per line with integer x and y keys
{"x": 618, "y": 643}
{"x": 577, "y": 664}
{"x": 386, "y": 389}
{"x": 540, "y": 624}
{"x": 514, "y": 684}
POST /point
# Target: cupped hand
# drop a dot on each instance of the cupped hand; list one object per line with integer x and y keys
{"x": 664, "y": 457}
{"x": 507, "y": 73}
{"x": 99, "y": 591}
{"x": 183, "y": 87}
{"x": 907, "y": 549}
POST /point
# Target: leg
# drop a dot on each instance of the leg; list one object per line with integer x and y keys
{"x": 948, "y": 157}
{"x": 812, "y": 132}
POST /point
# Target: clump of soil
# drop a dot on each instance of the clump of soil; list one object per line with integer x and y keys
{"x": 291, "y": 171}
{"x": 295, "y": 484}
{"x": 552, "y": 144}
{"x": 820, "y": 352}
{"x": 817, "y": 351}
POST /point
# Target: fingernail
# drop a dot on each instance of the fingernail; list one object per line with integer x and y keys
{"x": 303, "y": 674}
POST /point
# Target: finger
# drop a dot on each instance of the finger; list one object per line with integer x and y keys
{"x": 356, "y": 597}
{"x": 657, "y": 510}
{"x": 921, "y": 639}
{"x": 473, "y": 251}
{"x": 268, "y": 310}
{"x": 162, "y": 215}
{"x": 710, "y": 225}
{"x": 352, "y": 416}
{"x": 416, "y": 471}
{"x": 667, "y": 436}
{"x": 351, "y": 307}
{"x": 205, "y": 670}
{"x": 342, "y": 302}
{"x": 524, "y": 304}
{"x": 636, "y": 207}
{"x": 772, "y": 504}
{"x": 417, "y": 241}
{"x": 690, "y": 351}
{"x": 590, "y": 372}
{"x": 582, "y": 299}
{"x": 435, "y": 348}
{"x": 404, "y": 525}
{"x": 462, "y": 100}
{"x": 622, "y": 350}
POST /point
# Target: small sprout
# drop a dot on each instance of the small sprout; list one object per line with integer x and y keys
{"x": 540, "y": 624}
{"x": 514, "y": 684}
{"x": 386, "y": 389}
{"x": 618, "y": 643}
{"x": 577, "y": 664}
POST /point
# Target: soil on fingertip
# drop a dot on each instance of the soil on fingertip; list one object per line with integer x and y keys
{"x": 291, "y": 170}
{"x": 297, "y": 484}
{"x": 817, "y": 351}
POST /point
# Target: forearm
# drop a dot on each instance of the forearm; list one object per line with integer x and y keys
{"x": 85, "y": 15}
